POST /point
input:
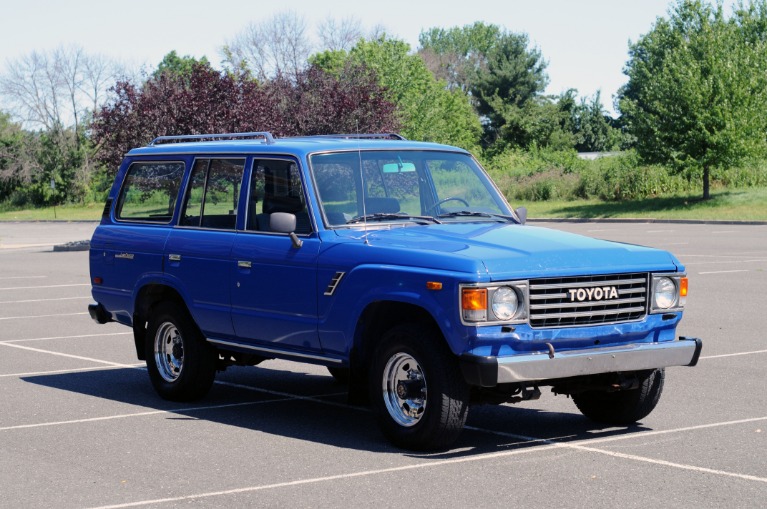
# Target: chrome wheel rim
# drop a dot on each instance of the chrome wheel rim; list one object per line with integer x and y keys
{"x": 404, "y": 389}
{"x": 169, "y": 352}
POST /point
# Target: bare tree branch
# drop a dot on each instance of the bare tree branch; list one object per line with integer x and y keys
{"x": 55, "y": 88}
{"x": 277, "y": 46}
{"x": 340, "y": 35}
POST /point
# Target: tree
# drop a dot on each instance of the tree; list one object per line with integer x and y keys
{"x": 57, "y": 92}
{"x": 426, "y": 109}
{"x": 56, "y": 88}
{"x": 504, "y": 78}
{"x": 210, "y": 101}
{"x": 340, "y": 35}
{"x": 592, "y": 126}
{"x": 458, "y": 55}
{"x": 182, "y": 66}
{"x": 319, "y": 102}
{"x": 17, "y": 162}
{"x": 697, "y": 89}
{"x": 514, "y": 78}
{"x": 276, "y": 46}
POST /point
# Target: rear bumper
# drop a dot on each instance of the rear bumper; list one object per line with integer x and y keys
{"x": 491, "y": 371}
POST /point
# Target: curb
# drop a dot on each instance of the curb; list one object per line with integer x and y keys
{"x": 78, "y": 245}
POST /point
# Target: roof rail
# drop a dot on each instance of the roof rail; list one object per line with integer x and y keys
{"x": 369, "y": 136}
{"x": 267, "y": 136}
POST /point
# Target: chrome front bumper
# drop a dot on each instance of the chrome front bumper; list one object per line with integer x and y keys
{"x": 491, "y": 371}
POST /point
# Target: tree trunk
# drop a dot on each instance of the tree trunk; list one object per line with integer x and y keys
{"x": 706, "y": 186}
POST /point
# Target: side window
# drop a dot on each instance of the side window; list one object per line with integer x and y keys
{"x": 149, "y": 192}
{"x": 275, "y": 186}
{"x": 214, "y": 190}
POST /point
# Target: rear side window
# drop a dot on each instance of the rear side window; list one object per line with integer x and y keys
{"x": 214, "y": 191}
{"x": 150, "y": 191}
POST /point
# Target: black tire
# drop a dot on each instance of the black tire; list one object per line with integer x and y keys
{"x": 622, "y": 408}
{"x": 181, "y": 364}
{"x": 417, "y": 390}
{"x": 341, "y": 375}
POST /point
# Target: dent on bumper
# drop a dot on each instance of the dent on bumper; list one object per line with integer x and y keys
{"x": 491, "y": 371}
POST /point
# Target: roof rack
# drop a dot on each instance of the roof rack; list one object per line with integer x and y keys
{"x": 267, "y": 136}
{"x": 369, "y": 136}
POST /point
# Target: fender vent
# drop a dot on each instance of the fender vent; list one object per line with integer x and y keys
{"x": 334, "y": 283}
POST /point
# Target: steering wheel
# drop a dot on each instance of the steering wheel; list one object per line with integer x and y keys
{"x": 452, "y": 198}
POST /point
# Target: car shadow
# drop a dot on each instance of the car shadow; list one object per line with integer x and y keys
{"x": 313, "y": 408}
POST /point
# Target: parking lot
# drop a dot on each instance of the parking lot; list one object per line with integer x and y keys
{"x": 80, "y": 425}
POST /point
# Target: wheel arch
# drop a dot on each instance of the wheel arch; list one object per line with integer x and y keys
{"x": 380, "y": 316}
{"x": 146, "y": 298}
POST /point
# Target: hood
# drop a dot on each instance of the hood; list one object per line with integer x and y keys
{"x": 509, "y": 251}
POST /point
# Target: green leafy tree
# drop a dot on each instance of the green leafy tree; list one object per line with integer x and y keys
{"x": 427, "y": 110}
{"x": 593, "y": 127}
{"x": 181, "y": 66}
{"x": 458, "y": 55}
{"x": 697, "y": 90}
{"x": 508, "y": 89}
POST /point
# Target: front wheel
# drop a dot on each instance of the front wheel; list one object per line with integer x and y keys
{"x": 181, "y": 364}
{"x": 622, "y": 407}
{"x": 417, "y": 389}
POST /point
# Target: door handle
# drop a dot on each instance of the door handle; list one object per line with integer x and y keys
{"x": 244, "y": 264}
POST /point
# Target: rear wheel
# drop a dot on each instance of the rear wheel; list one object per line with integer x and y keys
{"x": 622, "y": 407}
{"x": 181, "y": 364}
{"x": 417, "y": 389}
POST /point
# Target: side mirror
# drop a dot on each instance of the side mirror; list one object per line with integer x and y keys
{"x": 284, "y": 222}
{"x": 521, "y": 213}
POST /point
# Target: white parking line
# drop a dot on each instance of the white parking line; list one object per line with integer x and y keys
{"x": 41, "y": 316}
{"x": 438, "y": 463}
{"x": 137, "y": 414}
{"x": 738, "y": 354}
{"x": 23, "y": 277}
{"x": 43, "y": 300}
{"x": 722, "y": 272}
{"x": 69, "y": 356}
{"x": 43, "y": 287}
{"x": 547, "y": 443}
{"x": 65, "y": 371}
{"x": 67, "y": 337}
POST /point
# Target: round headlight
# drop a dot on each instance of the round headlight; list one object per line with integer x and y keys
{"x": 665, "y": 293}
{"x": 505, "y": 303}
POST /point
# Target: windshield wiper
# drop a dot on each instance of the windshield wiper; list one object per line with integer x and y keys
{"x": 471, "y": 213}
{"x": 390, "y": 216}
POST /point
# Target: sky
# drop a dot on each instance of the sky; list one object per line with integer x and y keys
{"x": 585, "y": 42}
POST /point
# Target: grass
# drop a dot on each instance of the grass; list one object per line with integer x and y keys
{"x": 725, "y": 205}
{"x": 90, "y": 212}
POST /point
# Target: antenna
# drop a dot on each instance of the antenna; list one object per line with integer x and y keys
{"x": 362, "y": 183}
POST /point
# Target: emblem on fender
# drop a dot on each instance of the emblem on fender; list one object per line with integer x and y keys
{"x": 598, "y": 293}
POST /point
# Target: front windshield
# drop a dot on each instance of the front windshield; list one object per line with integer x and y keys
{"x": 428, "y": 186}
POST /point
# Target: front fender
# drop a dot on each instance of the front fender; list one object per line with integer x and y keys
{"x": 366, "y": 285}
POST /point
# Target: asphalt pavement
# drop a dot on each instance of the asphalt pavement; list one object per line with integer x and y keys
{"x": 80, "y": 425}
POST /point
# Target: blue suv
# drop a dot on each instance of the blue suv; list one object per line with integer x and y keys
{"x": 396, "y": 264}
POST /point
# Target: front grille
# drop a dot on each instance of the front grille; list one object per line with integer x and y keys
{"x": 588, "y": 300}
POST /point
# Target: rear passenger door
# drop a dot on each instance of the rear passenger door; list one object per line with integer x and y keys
{"x": 274, "y": 295}
{"x": 198, "y": 250}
